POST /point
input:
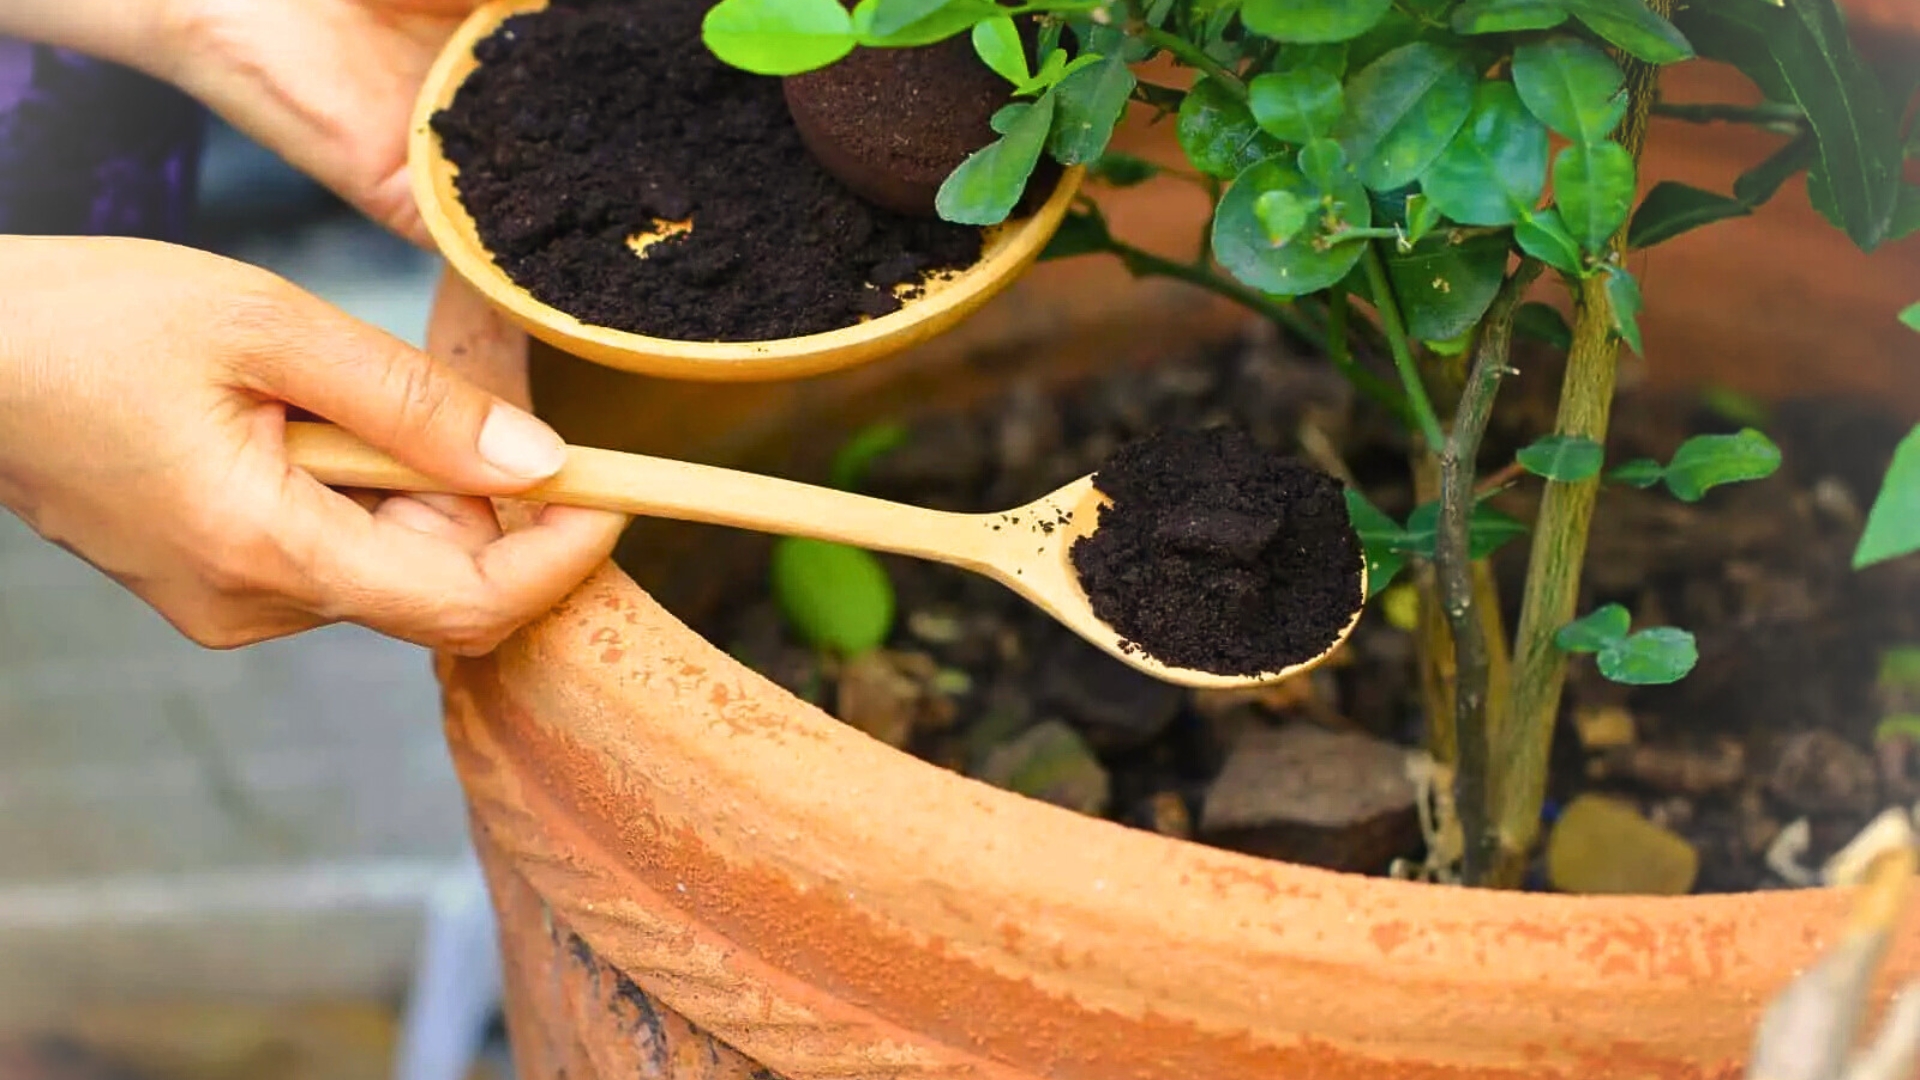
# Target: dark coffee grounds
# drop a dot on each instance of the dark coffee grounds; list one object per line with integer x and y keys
{"x": 593, "y": 121}
{"x": 1219, "y": 556}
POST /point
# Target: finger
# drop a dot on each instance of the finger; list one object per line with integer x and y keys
{"x": 422, "y": 587}
{"x": 396, "y": 397}
{"x": 467, "y": 523}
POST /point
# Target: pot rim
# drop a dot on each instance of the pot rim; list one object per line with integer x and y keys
{"x": 783, "y": 821}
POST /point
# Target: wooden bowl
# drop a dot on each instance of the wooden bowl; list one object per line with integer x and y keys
{"x": 1008, "y": 251}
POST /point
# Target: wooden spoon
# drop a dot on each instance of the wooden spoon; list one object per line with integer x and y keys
{"x": 1024, "y": 549}
{"x": 1009, "y": 249}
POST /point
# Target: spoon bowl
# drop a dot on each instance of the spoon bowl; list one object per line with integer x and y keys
{"x": 1007, "y": 251}
{"x": 1026, "y": 549}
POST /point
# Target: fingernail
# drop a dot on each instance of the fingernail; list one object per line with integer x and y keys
{"x": 519, "y": 445}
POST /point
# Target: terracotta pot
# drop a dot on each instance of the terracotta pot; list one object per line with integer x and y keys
{"x": 700, "y": 876}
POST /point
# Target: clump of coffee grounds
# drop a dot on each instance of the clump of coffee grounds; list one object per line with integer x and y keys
{"x": 1219, "y": 556}
{"x": 594, "y": 121}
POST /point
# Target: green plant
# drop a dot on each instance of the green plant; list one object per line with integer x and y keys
{"x": 1893, "y": 525}
{"x": 1400, "y": 154}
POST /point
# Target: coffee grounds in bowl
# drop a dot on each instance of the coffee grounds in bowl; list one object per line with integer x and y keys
{"x": 594, "y": 121}
{"x": 1219, "y": 556}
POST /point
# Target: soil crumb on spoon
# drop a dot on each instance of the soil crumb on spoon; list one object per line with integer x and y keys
{"x": 1217, "y": 555}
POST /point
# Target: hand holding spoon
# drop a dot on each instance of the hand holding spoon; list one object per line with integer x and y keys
{"x": 1025, "y": 549}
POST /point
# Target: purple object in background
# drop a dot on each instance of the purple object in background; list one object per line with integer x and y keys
{"x": 89, "y": 148}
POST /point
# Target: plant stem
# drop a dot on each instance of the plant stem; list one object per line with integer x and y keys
{"x": 1453, "y": 559}
{"x": 1194, "y": 56}
{"x": 1143, "y": 262}
{"x": 1524, "y": 740}
{"x": 1396, "y": 331}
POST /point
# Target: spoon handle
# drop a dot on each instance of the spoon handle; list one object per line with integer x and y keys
{"x": 660, "y": 487}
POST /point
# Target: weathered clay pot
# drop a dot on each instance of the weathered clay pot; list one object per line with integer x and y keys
{"x": 700, "y": 876}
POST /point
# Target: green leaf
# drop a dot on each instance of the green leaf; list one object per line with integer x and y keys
{"x": 1599, "y": 628}
{"x": 1906, "y": 213}
{"x": 1081, "y": 232}
{"x": 1422, "y": 217}
{"x": 1893, "y": 525}
{"x": 1542, "y": 322}
{"x": 1091, "y": 103}
{"x": 997, "y": 41}
{"x": 1311, "y": 21}
{"x": 1911, "y": 317}
{"x": 1443, "y": 287}
{"x": 1593, "y": 186}
{"x": 1122, "y": 170}
{"x": 1493, "y": 171}
{"x": 1507, "y": 16}
{"x": 947, "y": 18}
{"x": 1545, "y": 237}
{"x": 778, "y": 37}
{"x": 1005, "y": 116}
{"x": 1652, "y": 657}
{"x": 857, "y": 455}
{"x": 1330, "y": 57}
{"x": 1282, "y": 214}
{"x": 1302, "y": 265}
{"x": 1634, "y": 28}
{"x": 1566, "y": 458}
{"x": 1053, "y": 69}
{"x": 1574, "y": 87}
{"x": 835, "y": 597}
{"x": 1673, "y": 208}
{"x": 1488, "y": 530}
{"x": 987, "y": 186}
{"x": 1402, "y": 111}
{"x": 1324, "y": 163}
{"x": 1624, "y": 305}
{"x": 1378, "y": 536}
{"x": 1760, "y": 183}
{"x": 1798, "y": 51}
{"x": 1297, "y": 106}
{"x": 1640, "y": 473}
{"x": 889, "y": 17}
{"x": 1704, "y": 462}
{"x": 1219, "y": 134}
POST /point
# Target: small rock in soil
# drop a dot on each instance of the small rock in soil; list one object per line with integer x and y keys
{"x": 1218, "y": 556}
{"x": 1341, "y": 800}
{"x": 1052, "y": 763}
{"x": 1117, "y": 706}
{"x": 1601, "y": 845}
{"x": 1818, "y": 772}
{"x": 1674, "y": 768}
{"x": 887, "y": 695}
{"x": 1604, "y": 727}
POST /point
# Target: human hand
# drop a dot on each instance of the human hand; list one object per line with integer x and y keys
{"x": 328, "y": 84}
{"x": 143, "y": 396}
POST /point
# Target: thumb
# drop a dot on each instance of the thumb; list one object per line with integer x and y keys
{"x": 406, "y": 403}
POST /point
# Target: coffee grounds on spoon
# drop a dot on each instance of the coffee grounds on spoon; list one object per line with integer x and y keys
{"x": 1219, "y": 556}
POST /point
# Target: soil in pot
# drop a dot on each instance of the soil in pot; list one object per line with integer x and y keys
{"x": 1777, "y": 731}
{"x": 593, "y": 122}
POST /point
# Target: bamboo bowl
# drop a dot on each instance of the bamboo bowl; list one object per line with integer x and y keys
{"x": 1009, "y": 249}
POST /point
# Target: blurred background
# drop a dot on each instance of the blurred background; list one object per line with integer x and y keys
{"x": 224, "y": 864}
